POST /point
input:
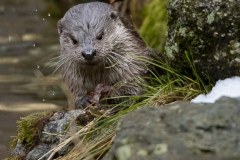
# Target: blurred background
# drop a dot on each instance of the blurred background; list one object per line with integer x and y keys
{"x": 29, "y": 40}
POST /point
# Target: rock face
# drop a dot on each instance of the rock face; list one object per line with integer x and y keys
{"x": 54, "y": 132}
{"x": 180, "y": 131}
{"x": 208, "y": 30}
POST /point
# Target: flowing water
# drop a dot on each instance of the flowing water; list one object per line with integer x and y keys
{"x": 27, "y": 40}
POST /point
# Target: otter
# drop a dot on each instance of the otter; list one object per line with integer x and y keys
{"x": 99, "y": 46}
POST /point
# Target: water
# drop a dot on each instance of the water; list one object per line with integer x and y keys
{"x": 27, "y": 40}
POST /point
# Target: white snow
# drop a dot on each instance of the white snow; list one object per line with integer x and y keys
{"x": 229, "y": 87}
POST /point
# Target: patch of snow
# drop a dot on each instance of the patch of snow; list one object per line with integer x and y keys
{"x": 229, "y": 87}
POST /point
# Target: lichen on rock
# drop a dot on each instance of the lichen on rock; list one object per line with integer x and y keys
{"x": 208, "y": 31}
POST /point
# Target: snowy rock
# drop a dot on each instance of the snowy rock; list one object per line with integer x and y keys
{"x": 229, "y": 87}
{"x": 208, "y": 30}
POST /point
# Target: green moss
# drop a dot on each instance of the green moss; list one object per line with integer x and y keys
{"x": 154, "y": 26}
{"x": 14, "y": 158}
{"x": 29, "y": 128}
{"x": 13, "y": 143}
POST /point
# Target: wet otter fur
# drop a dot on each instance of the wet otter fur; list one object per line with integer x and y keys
{"x": 98, "y": 46}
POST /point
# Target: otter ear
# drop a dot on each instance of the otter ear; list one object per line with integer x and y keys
{"x": 60, "y": 27}
{"x": 113, "y": 15}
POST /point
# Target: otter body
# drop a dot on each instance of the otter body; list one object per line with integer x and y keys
{"x": 98, "y": 46}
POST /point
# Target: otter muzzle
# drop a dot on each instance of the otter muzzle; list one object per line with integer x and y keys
{"x": 88, "y": 54}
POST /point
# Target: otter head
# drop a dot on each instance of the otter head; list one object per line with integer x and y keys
{"x": 89, "y": 33}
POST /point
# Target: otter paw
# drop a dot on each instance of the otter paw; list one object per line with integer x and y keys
{"x": 82, "y": 103}
{"x": 101, "y": 91}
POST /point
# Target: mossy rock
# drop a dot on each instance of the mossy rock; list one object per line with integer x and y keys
{"x": 38, "y": 133}
{"x": 209, "y": 32}
{"x": 29, "y": 129}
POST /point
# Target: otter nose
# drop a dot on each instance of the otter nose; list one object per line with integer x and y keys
{"x": 89, "y": 54}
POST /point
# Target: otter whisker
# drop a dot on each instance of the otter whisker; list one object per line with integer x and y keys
{"x": 54, "y": 61}
{"x": 63, "y": 60}
{"x": 116, "y": 59}
{"x": 124, "y": 62}
{"x": 120, "y": 57}
{"x": 111, "y": 66}
{"x": 108, "y": 60}
{"x": 60, "y": 64}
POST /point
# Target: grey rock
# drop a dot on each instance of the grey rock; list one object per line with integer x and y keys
{"x": 208, "y": 30}
{"x": 19, "y": 150}
{"x": 180, "y": 131}
{"x": 55, "y": 129}
{"x": 66, "y": 149}
{"x": 38, "y": 151}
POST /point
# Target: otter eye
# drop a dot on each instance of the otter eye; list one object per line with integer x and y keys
{"x": 114, "y": 15}
{"x": 74, "y": 41}
{"x": 100, "y": 36}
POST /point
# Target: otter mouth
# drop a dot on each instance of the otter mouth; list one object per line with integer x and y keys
{"x": 91, "y": 63}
